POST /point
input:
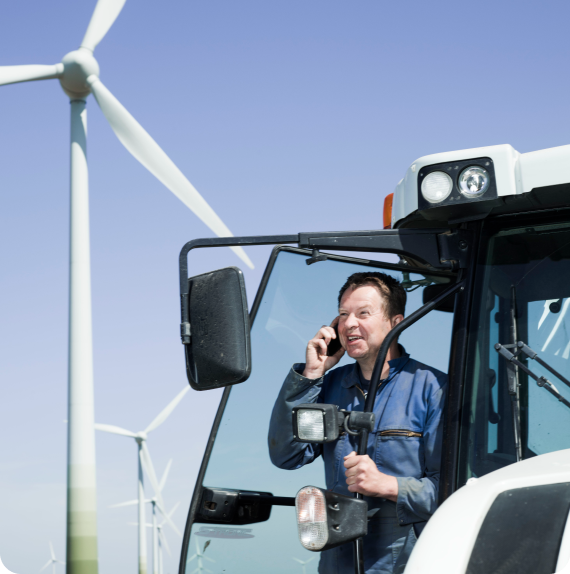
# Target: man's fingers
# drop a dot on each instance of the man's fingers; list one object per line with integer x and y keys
{"x": 351, "y": 461}
{"x": 322, "y": 346}
{"x": 327, "y": 333}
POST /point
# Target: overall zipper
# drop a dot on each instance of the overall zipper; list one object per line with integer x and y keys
{"x": 400, "y": 433}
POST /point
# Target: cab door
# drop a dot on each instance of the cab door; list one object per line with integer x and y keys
{"x": 294, "y": 300}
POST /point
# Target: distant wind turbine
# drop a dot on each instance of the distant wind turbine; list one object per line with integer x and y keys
{"x": 52, "y": 561}
{"x": 199, "y": 556}
{"x": 304, "y": 563}
{"x": 156, "y": 527}
{"x": 145, "y": 462}
{"x": 161, "y": 538}
{"x": 78, "y": 74}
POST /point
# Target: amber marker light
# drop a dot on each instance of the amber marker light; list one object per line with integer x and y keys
{"x": 388, "y": 211}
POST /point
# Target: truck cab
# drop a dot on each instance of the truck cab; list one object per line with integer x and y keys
{"x": 482, "y": 245}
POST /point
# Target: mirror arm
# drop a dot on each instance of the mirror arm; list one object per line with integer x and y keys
{"x": 439, "y": 248}
{"x": 216, "y": 242}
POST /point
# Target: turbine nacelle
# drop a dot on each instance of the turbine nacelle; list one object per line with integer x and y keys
{"x": 77, "y": 66}
{"x": 141, "y": 437}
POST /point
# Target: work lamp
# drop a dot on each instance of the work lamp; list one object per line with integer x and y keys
{"x": 319, "y": 422}
{"x": 437, "y": 186}
{"x": 457, "y": 189}
{"x": 473, "y": 181}
{"x": 326, "y": 519}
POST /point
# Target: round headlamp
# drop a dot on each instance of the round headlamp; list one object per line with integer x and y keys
{"x": 474, "y": 181}
{"x": 436, "y": 186}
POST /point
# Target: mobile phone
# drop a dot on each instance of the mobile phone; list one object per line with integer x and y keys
{"x": 334, "y": 344}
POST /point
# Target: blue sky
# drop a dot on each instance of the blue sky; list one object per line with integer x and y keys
{"x": 287, "y": 116}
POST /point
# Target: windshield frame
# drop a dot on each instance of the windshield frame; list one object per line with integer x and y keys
{"x": 197, "y": 493}
{"x": 488, "y": 229}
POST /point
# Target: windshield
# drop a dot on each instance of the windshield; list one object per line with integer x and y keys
{"x": 297, "y": 301}
{"x": 522, "y": 293}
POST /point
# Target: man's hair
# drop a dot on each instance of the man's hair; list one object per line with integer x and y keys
{"x": 390, "y": 289}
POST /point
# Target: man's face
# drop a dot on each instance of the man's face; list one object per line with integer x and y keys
{"x": 362, "y": 325}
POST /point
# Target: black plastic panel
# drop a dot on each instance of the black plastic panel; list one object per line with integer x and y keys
{"x": 522, "y": 531}
{"x": 219, "y": 353}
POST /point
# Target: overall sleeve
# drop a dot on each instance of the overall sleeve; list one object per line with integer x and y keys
{"x": 417, "y": 498}
{"x": 284, "y": 451}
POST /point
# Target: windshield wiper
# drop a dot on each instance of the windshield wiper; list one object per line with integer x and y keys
{"x": 513, "y": 378}
{"x": 543, "y": 382}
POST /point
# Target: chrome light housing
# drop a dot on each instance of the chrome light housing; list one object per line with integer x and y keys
{"x": 326, "y": 519}
{"x": 473, "y": 181}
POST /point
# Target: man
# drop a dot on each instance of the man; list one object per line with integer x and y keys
{"x": 399, "y": 475}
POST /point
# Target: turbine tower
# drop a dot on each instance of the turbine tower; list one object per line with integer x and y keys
{"x": 145, "y": 463}
{"x": 156, "y": 527}
{"x": 158, "y": 567}
{"x": 78, "y": 73}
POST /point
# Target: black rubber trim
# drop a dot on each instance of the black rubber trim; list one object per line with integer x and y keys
{"x": 522, "y": 531}
{"x": 456, "y": 375}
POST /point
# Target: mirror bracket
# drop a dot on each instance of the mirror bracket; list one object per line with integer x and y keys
{"x": 185, "y": 333}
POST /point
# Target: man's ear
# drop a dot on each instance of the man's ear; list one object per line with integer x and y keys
{"x": 397, "y": 319}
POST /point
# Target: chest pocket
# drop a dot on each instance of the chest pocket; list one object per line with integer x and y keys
{"x": 400, "y": 452}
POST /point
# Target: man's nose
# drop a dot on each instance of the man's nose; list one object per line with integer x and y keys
{"x": 351, "y": 321}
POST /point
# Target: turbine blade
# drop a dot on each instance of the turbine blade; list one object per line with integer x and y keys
{"x": 105, "y": 13}
{"x": 148, "y": 152}
{"x": 16, "y": 74}
{"x": 115, "y": 430}
{"x": 299, "y": 561}
{"x": 146, "y": 462}
{"x": 206, "y": 558}
{"x": 129, "y": 503}
{"x": 173, "y": 510}
{"x": 168, "y": 519}
{"x": 51, "y": 550}
{"x": 165, "y": 475}
{"x": 49, "y": 562}
{"x": 165, "y": 413}
{"x": 192, "y": 558}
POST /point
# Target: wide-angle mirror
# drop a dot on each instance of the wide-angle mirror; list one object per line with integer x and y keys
{"x": 219, "y": 351}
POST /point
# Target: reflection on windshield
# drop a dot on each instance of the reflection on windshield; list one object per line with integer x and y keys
{"x": 524, "y": 295}
{"x": 298, "y": 300}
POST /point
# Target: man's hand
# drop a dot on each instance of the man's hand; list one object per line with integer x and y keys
{"x": 317, "y": 362}
{"x": 363, "y": 476}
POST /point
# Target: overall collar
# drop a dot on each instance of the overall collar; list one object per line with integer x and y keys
{"x": 396, "y": 365}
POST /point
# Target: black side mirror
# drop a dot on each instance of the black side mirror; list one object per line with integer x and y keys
{"x": 218, "y": 353}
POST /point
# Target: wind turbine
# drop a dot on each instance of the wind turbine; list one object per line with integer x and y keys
{"x": 145, "y": 462}
{"x": 78, "y": 74}
{"x": 52, "y": 560}
{"x": 200, "y": 556}
{"x": 160, "y": 538}
{"x": 304, "y": 563}
{"x": 156, "y": 532}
